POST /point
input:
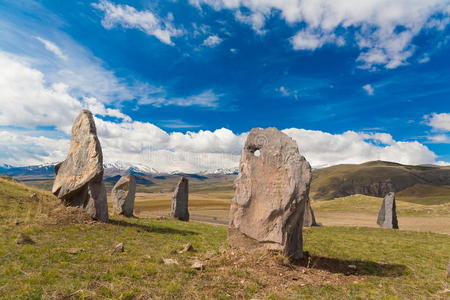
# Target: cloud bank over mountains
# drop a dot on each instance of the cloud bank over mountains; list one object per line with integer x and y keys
{"x": 28, "y": 104}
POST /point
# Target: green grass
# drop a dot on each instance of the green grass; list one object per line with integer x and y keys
{"x": 390, "y": 264}
{"x": 425, "y": 193}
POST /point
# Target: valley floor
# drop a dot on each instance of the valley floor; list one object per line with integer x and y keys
{"x": 357, "y": 210}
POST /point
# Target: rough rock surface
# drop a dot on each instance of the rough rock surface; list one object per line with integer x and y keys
{"x": 376, "y": 189}
{"x": 387, "y": 217}
{"x": 309, "y": 219}
{"x": 180, "y": 209}
{"x": 123, "y": 195}
{"x": 271, "y": 191}
{"x": 79, "y": 178}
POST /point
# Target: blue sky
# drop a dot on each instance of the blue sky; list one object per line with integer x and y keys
{"x": 189, "y": 68}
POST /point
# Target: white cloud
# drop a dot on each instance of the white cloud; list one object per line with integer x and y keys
{"x": 206, "y": 99}
{"x": 52, "y": 47}
{"x": 285, "y": 92}
{"x": 212, "y": 41}
{"x": 440, "y": 122}
{"x": 325, "y": 149}
{"x": 26, "y": 99}
{"x": 310, "y": 40}
{"x": 383, "y": 30}
{"x": 439, "y": 139}
{"x": 146, "y": 21}
{"x": 369, "y": 89}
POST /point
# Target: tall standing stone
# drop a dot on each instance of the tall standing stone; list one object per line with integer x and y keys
{"x": 123, "y": 195}
{"x": 79, "y": 178}
{"x": 271, "y": 191}
{"x": 180, "y": 209}
{"x": 309, "y": 219}
{"x": 387, "y": 216}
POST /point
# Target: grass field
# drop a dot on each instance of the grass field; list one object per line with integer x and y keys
{"x": 71, "y": 259}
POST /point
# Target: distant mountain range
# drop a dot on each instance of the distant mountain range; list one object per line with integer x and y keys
{"x": 47, "y": 171}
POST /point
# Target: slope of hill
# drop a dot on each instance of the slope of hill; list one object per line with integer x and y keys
{"x": 375, "y": 179}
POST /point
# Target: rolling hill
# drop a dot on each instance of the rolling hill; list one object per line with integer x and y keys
{"x": 376, "y": 178}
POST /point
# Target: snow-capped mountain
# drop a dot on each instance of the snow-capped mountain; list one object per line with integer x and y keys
{"x": 111, "y": 169}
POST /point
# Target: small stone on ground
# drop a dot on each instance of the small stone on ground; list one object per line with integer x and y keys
{"x": 119, "y": 248}
{"x": 24, "y": 239}
{"x": 170, "y": 261}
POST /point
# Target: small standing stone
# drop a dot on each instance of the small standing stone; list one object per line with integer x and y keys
{"x": 123, "y": 195}
{"x": 180, "y": 198}
{"x": 387, "y": 217}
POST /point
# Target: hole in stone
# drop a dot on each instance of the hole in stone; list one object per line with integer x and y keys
{"x": 257, "y": 153}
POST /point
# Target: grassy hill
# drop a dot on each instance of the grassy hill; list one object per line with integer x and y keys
{"x": 72, "y": 259}
{"x": 344, "y": 180}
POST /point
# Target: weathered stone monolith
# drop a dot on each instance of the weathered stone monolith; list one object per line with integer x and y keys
{"x": 123, "y": 194}
{"x": 79, "y": 178}
{"x": 180, "y": 209}
{"x": 387, "y": 217}
{"x": 309, "y": 220}
{"x": 271, "y": 191}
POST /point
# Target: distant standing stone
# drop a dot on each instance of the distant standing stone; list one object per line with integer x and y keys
{"x": 387, "y": 217}
{"x": 271, "y": 191}
{"x": 180, "y": 198}
{"x": 79, "y": 178}
{"x": 309, "y": 220}
{"x": 123, "y": 195}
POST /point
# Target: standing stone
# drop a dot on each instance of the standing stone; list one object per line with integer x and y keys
{"x": 387, "y": 217}
{"x": 308, "y": 219}
{"x": 271, "y": 191}
{"x": 79, "y": 178}
{"x": 123, "y": 194}
{"x": 180, "y": 200}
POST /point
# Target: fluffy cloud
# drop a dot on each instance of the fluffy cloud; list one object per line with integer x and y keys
{"x": 369, "y": 89}
{"x": 128, "y": 17}
{"x": 212, "y": 41}
{"x": 383, "y": 30}
{"x": 440, "y": 122}
{"x": 26, "y": 100}
{"x": 325, "y": 149}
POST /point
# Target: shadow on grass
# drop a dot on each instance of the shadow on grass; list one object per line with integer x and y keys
{"x": 153, "y": 228}
{"x": 352, "y": 267}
